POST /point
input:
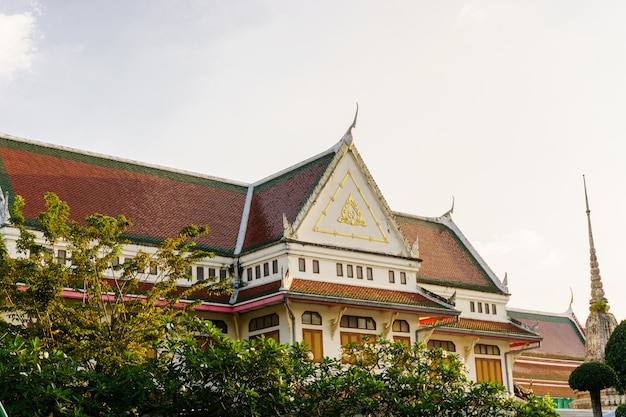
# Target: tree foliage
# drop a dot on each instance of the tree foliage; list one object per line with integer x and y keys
{"x": 615, "y": 355}
{"x": 122, "y": 308}
{"x": 593, "y": 377}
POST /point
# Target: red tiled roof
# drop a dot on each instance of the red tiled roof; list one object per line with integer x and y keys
{"x": 199, "y": 294}
{"x": 445, "y": 260}
{"x": 328, "y": 289}
{"x": 158, "y": 202}
{"x": 282, "y": 195}
{"x": 561, "y": 338}
{"x": 250, "y": 293}
{"x": 495, "y": 328}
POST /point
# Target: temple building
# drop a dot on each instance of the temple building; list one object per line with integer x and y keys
{"x": 313, "y": 254}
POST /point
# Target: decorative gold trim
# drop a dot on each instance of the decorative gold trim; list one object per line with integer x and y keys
{"x": 350, "y": 213}
{"x": 316, "y": 228}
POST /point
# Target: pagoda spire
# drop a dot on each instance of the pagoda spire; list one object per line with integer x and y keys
{"x": 600, "y": 322}
{"x": 597, "y": 291}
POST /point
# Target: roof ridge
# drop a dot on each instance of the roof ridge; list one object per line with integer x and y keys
{"x": 122, "y": 160}
{"x": 565, "y": 314}
{"x": 295, "y": 166}
{"x": 243, "y": 225}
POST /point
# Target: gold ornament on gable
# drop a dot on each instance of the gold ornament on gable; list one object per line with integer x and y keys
{"x": 350, "y": 213}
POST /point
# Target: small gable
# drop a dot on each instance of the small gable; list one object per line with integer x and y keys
{"x": 446, "y": 260}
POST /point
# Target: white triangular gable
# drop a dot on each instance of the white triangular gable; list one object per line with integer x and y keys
{"x": 349, "y": 212}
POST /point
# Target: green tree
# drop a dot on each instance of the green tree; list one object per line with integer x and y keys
{"x": 123, "y": 309}
{"x": 593, "y": 377}
{"x": 615, "y": 354}
{"x": 263, "y": 378}
{"x": 394, "y": 379}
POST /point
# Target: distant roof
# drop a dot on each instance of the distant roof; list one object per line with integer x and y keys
{"x": 562, "y": 336}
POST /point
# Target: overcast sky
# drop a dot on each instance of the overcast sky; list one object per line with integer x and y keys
{"x": 502, "y": 104}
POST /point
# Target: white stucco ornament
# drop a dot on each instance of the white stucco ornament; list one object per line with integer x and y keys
{"x": 5, "y": 215}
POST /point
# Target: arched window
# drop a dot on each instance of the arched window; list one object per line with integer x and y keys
{"x": 401, "y": 326}
{"x": 487, "y": 350}
{"x": 311, "y": 317}
{"x": 488, "y": 369}
{"x": 220, "y": 324}
{"x": 263, "y": 322}
{"x": 446, "y": 345}
{"x": 356, "y": 322}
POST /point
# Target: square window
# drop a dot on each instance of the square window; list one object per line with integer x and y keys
{"x": 154, "y": 270}
{"x": 392, "y": 277}
{"x": 257, "y": 271}
{"x": 486, "y": 308}
{"x": 359, "y": 272}
{"x": 339, "y": 270}
{"x": 402, "y": 277}
{"x": 275, "y": 266}
{"x": 200, "y": 273}
{"x": 370, "y": 274}
{"x": 249, "y": 274}
{"x": 212, "y": 272}
{"x": 480, "y": 307}
{"x": 222, "y": 274}
{"x": 301, "y": 264}
{"x": 115, "y": 262}
{"x": 61, "y": 256}
{"x": 472, "y": 307}
{"x": 493, "y": 309}
{"x": 266, "y": 269}
{"x": 349, "y": 271}
{"x": 316, "y": 266}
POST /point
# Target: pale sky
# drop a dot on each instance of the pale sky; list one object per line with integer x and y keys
{"x": 502, "y": 104}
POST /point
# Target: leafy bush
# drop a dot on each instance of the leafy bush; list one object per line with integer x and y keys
{"x": 592, "y": 376}
{"x": 620, "y": 411}
{"x": 615, "y": 354}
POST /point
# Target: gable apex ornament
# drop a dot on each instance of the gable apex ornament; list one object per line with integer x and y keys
{"x": 347, "y": 137}
{"x": 449, "y": 212}
{"x": 505, "y": 282}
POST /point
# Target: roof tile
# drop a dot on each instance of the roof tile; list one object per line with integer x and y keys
{"x": 304, "y": 286}
{"x": 158, "y": 205}
{"x": 444, "y": 258}
{"x": 286, "y": 195}
{"x": 561, "y": 338}
{"x": 497, "y": 327}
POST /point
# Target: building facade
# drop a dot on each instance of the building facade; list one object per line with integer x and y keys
{"x": 313, "y": 252}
